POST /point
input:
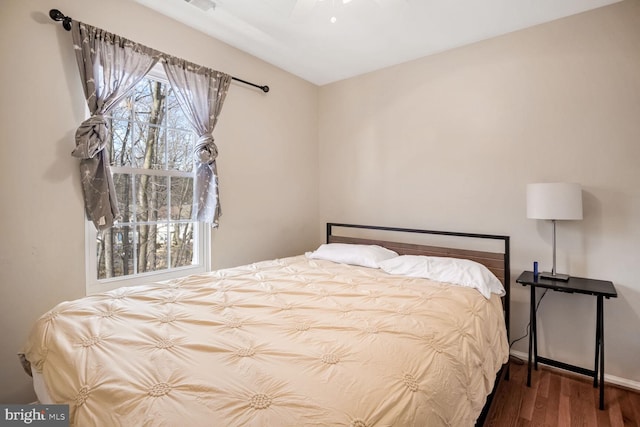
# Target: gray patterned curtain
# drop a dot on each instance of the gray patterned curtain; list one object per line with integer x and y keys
{"x": 109, "y": 66}
{"x": 201, "y": 92}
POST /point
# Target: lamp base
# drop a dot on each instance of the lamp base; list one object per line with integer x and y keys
{"x": 551, "y": 276}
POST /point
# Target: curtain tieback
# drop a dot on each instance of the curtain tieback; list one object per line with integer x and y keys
{"x": 206, "y": 150}
{"x": 91, "y": 137}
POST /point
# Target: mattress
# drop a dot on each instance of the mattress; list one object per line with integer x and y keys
{"x": 288, "y": 342}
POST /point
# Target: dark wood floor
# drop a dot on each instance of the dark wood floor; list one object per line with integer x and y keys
{"x": 557, "y": 399}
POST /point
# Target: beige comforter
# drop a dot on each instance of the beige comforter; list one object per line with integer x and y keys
{"x": 290, "y": 342}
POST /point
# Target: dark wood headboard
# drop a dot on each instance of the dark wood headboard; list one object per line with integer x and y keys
{"x": 496, "y": 262}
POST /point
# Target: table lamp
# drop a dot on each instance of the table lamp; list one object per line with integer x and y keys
{"x": 554, "y": 201}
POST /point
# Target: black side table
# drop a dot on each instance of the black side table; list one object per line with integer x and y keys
{"x": 600, "y": 289}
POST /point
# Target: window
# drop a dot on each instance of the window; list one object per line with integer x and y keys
{"x": 151, "y": 157}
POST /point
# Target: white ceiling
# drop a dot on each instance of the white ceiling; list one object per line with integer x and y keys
{"x": 297, "y": 35}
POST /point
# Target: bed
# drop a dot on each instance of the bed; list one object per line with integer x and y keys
{"x": 306, "y": 340}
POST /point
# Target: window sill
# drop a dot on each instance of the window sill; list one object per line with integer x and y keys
{"x": 142, "y": 279}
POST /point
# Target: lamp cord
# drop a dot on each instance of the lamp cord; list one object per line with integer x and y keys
{"x": 529, "y": 324}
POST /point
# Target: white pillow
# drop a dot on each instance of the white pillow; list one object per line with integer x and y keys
{"x": 344, "y": 253}
{"x": 462, "y": 272}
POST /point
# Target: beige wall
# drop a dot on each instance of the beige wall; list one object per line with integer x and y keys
{"x": 267, "y": 162}
{"x": 450, "y": 142}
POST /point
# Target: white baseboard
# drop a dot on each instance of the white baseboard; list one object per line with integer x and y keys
{"x": 611, "y": 379}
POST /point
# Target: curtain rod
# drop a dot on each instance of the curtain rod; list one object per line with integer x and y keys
{"x": 56, "y": 15}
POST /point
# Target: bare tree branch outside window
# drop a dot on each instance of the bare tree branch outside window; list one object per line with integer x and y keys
{"x": 150, "y": 152}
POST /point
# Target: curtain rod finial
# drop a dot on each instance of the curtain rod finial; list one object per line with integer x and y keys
{"x": 56, "y": 15}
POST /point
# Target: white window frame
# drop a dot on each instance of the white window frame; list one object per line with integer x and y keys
{"x": 201, "y": 249}
{"x": 201, "y": 253}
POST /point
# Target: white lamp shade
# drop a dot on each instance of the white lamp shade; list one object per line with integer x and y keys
{"x": 557, "y": 200}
